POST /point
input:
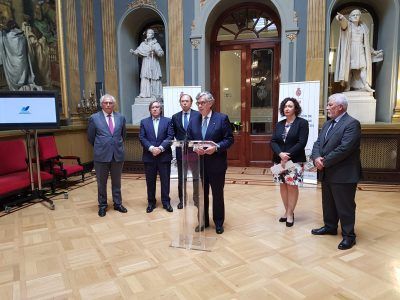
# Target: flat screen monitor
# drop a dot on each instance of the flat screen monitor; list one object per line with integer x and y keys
{"x": 29, "y": 110}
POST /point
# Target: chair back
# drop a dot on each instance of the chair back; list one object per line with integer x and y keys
{"x": 13, "y": 156}
{"x": 47, "y": 147}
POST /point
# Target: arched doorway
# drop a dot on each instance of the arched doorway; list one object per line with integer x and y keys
{"x": 245, "y": 75}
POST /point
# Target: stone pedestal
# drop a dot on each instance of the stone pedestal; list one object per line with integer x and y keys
{"x": 140, "y": 109}
{"x": 362, "y": 106}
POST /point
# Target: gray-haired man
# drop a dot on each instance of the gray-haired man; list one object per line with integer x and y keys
{"x": 336, "y": 154}
{"x": 107, "y": 132}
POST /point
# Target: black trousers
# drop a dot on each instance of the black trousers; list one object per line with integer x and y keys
{"x": 191, "y": 164}
{"x": 216, "y": 180}
{"x": 338, "y": 204}
{"x": 114, "y": 168}
{"x": 164, "y": 170}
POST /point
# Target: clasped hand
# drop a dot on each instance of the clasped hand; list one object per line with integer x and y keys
{"x": 206, "y": 150}
{"x": 156, "y": 151}
{"x": 285, "y": 157}
{"x": 319, "y": 163}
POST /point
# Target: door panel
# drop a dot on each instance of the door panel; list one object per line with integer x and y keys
{"x": 230, "y": 98}
{"x": 261, "y": 110}
{"x": 245, "y": 83}
{"x": 261, "y": 100}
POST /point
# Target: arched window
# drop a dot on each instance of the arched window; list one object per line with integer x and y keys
{"x": 247, "y": 23}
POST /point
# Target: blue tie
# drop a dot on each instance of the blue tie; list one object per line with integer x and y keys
{"x": 185, "y": 121}
{"x": 204, "y": 127}
{"x": 330, "y": 128}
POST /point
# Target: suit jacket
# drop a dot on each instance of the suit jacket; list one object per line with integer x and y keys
{"x": 179, "y": 131}
{"x": 219, "y": 131}
{"x": 148, "y": 138}
{"x": 107, "y": 145}
{"x": 340, "y": 150}
{"x": 296, "y": 140}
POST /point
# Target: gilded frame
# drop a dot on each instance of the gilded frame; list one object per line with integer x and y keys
{"x": 61, "y": 51}
{"x": 32, "y": 55}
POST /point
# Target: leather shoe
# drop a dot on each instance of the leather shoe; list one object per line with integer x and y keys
{"x": 180, "y": 205}
{"x": 290, "y": 224}
{"x": 219, "y": 229}
{"x": 201, "y": 228}
{"x": 150, "y": 208}
{"x": 102, "y": 211}
{"x": 346, "y": 243}
{"x": 282, "y": 219}
{"x": 168, "y": 208}
{"x": 121, "y": 209}
{"x": 324, "y": 230}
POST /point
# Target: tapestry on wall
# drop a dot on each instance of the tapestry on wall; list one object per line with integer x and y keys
{"x": 29, "y": 57}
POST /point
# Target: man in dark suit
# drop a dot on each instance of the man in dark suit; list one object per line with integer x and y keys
{"x": 107, "y": 132}
{"x": 336, "y": 154}
{"x": 180, "y": 123}
{"x": 216, "y": 127}
{"x": 156, "y": 134}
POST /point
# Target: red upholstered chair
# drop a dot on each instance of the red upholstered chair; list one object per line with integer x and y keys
{"x": 52, "y": 162}
{"x": 14, "y": 172}
{"x": 13, "y": 168}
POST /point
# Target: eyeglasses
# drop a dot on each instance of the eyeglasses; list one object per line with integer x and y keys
{"x": 198, "y": 103}
{"x": 108, "y": 103}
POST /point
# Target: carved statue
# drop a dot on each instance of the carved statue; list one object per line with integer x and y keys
{"x": 355, "y": 54}
{"x": 150, "y": 74}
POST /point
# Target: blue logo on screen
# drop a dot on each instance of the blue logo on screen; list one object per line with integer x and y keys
{"x": 25, "y": 110}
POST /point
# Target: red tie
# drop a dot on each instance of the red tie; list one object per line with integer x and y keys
{"x": 110, "y": 124}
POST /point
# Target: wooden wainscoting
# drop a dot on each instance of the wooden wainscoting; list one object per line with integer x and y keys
{"x": 380, "y": 154}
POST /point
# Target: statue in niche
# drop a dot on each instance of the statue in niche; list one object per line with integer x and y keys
{"x": 150, "y": 73}
{"x": 355, "y": 54}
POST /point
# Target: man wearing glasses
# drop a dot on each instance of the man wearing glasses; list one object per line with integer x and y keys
{"x": 216, "y": 127}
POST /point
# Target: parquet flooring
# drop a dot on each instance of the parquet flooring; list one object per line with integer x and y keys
{"x": 71, "y": 253}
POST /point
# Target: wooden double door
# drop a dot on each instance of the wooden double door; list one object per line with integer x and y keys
{"x": 245, "y": 82}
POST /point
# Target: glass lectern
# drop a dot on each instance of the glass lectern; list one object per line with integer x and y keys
{"x": 190, "y": 231}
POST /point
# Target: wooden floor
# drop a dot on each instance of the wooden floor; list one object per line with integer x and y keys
{"x": 71, "y": 253}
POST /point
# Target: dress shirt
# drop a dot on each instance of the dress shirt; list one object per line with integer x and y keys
{"x": 156, "y": 122}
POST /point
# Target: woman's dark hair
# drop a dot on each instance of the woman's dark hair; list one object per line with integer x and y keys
{"x": 297, "y": 107}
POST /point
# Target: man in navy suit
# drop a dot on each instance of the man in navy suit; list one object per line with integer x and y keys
{"x": 156, "y": 134}
{"x": 336, "y": 154}
{"x": 180, "y": 123}
{"x": 107, "y": 132}
{"x": 216, "y": 127}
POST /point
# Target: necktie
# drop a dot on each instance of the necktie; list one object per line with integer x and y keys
{"x": 204, "y": 127}
{"x": 185, "y": 120}
{"x": 155, "y": 123}
{"x": 330, "y": 128}
{"x": 110, "y": 124}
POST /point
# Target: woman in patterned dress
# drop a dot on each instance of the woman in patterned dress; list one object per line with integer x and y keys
{"x": 288, "y": 143}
